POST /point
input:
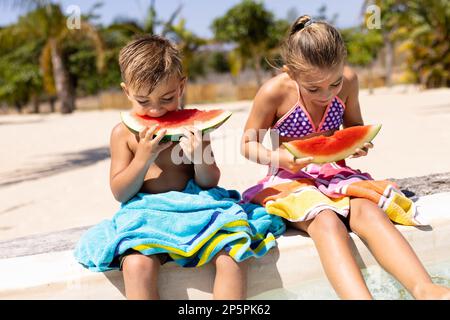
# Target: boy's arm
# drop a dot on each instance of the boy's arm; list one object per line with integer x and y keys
{"x": 128, "y": 171}
{"x": 207, "y": 174}
{"x": 197, "y": 148}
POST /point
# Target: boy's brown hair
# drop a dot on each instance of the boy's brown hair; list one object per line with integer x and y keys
{"x": 148, "y": 60}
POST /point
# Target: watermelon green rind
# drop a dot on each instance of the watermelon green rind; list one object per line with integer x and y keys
{"x": 130, "y": 122}
{"x": 319, "y": 159}
{"x": 175, "y": 134}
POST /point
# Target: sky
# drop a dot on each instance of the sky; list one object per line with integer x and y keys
{"x": 199, "y": 14}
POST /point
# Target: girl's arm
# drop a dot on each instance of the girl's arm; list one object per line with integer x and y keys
{"x": 261, "y": 117}
{"x": 352, "y": 114}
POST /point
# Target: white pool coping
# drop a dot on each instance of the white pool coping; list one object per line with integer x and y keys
{"x": 58, "y": 276}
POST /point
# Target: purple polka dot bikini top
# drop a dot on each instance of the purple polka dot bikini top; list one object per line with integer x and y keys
{"x": 298, "y": 123}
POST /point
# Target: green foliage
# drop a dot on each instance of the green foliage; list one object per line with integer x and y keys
{"x": 46, "y": 24}
{"x": 82, "y": 64}
{"x": 362, "y": 45}
{"x": 246, "y": 24}
{"x": 218, "y": 62}
{"x": 20, "y": 77}
{"x": 253, "y": 29}
{"x": 189, "y": 44}
{"x": 422, "y": 30}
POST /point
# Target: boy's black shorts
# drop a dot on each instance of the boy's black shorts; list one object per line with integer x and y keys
{"x": 163, "y": 257}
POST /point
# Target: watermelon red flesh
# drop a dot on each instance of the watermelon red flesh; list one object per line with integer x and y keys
{"x": 174, "y": 121}
{"x": 180, "y": 118}
{"x": 340, "y": 145}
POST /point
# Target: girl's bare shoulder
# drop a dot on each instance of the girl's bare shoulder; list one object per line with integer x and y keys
{"x": 277, "y": 89}
{"x": 350, "y": 83}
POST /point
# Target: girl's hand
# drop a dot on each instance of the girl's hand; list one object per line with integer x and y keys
{"x": 282, "y": 158}
{"x": 363, "y": 151}
{"x": 192, "y": 145}
{"x": 148, "y": 147}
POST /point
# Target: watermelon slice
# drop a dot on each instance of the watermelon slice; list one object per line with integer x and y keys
{"x": 333, "y": 148}
{"x": 174, "y": 121}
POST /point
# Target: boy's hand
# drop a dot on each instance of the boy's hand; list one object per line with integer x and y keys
{"x": 148, "y": 147}
{"x": 363, "y": 151}
{"x": 285, "y": 160}
{"x": 192, "y": 145}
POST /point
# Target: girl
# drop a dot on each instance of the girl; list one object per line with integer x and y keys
{"x": 316, "y": 94}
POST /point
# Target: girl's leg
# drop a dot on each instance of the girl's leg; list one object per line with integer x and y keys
{"x": 140, "y": 274}
{"x": 391, "y": 249}
{"x": 231, "y": 278}
{"x": 332, "y": 241}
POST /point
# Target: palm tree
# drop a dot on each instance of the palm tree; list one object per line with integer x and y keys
{"x": 48, "y": 22}
{"x": 422, "y": 28}
{"x": 149, "y": 24}
{"x": 188, "y": 43}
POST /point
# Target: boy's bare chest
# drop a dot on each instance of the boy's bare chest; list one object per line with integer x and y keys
{"x": 169, "y": 172}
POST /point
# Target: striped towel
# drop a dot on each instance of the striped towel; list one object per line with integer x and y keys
{"x": 191, "y": 226}
{"x": 301, "y": 196}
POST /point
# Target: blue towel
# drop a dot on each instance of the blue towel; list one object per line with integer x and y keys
{"x": 191, "y": 226}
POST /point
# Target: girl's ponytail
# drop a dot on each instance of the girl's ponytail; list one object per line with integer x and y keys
{"x": 312, "y": 44}
{"x": 299, "y": 24}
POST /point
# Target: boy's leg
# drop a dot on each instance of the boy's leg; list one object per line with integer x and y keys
{"x": 230, "y": 282}
{"x": 140, "y": 274}
{"x": 332, "y": 241}
{"x": 391, "y": 249}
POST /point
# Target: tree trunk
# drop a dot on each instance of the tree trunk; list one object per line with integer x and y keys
{"x": 18, "y": 107}
{"x": 257, "y": 58}
{"x": 389, "y": 60}
{"x": 370, "y": 79}
{"x": 36, "y": 103}
{"x": 233, "y": 79}
{"x": 62, "y": 81}
{"x": 52, "y": 101}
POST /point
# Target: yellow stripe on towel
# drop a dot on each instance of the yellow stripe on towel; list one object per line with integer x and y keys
{"x": 143, "y": 247}
{"x": 212, "y": 245}
{"x": 237, "y": 247}
{"x": 305, "y": 204}
{"x": 264, "y": 243}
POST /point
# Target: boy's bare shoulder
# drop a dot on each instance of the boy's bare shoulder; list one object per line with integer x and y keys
{"x": 121, "y": 134}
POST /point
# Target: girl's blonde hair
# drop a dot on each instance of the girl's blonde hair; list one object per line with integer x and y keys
{"x": 312, "y": 44}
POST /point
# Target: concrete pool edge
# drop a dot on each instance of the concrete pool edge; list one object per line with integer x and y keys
{"x": 56, "y": 275}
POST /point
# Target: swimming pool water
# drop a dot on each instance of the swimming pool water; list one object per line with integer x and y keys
{"x": 382, "y": 285}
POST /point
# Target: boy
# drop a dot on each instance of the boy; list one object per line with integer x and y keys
{"x": 153, "y": 81}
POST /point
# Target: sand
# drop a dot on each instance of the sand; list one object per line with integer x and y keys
{"x": 54, "y": 168}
